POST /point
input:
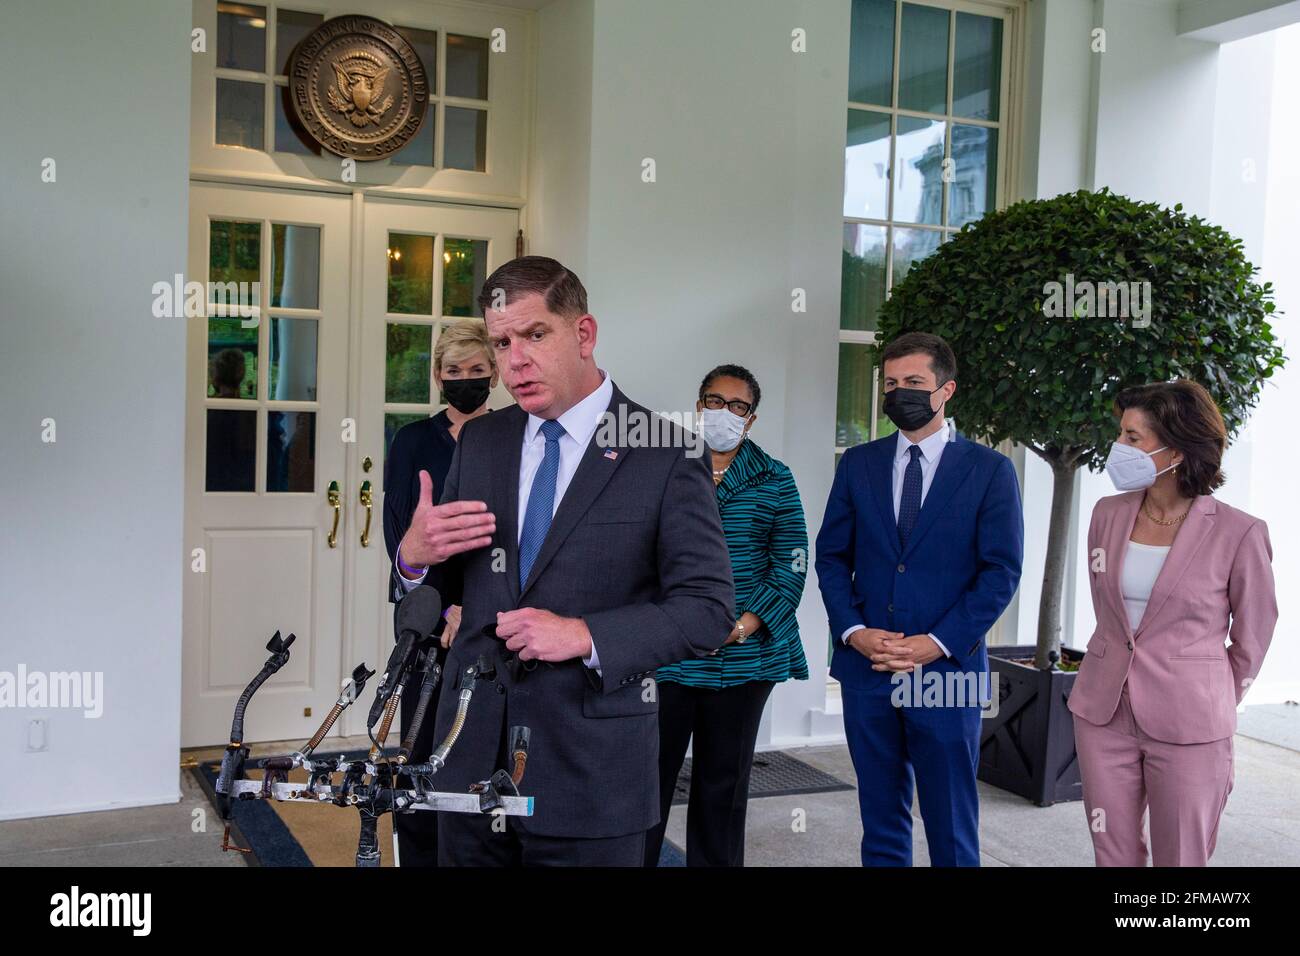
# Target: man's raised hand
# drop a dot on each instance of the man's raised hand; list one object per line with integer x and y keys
{"x": 438, "y": 532}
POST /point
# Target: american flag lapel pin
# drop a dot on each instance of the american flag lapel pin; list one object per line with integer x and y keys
{"x": 611, "y": 454}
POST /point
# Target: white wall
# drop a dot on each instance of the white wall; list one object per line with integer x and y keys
{"x": 91, "y": 561}
{"x": 698, "y": 267}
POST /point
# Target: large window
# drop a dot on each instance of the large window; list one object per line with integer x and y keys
{"x": 923, "y": 156}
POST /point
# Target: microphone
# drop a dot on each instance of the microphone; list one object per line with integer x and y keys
{"x": 417, "y": 616}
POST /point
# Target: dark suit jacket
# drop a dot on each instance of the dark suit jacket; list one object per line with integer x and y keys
{"x": 635, "y": 549}
{"x": 957, "y": 574}
{"x": 422, "y": 445}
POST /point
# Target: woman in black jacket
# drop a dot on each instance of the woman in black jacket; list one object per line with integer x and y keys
{"x": 465, "y": 373}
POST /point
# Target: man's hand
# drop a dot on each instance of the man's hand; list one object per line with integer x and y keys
{"x": 439, "y": 532}
{"x": 870, "y": 643}
{"x": 453, "y": 625}
{"x": 907, "y": 653}
{"x": 535, "y": 634}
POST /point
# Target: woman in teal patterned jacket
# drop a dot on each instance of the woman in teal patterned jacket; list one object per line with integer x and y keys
{"x": 718, "y": 700}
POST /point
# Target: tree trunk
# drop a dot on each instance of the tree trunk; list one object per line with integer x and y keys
{"x": 1058, "y": 534}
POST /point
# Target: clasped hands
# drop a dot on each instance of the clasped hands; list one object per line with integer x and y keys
{"x": 892, "y": 651}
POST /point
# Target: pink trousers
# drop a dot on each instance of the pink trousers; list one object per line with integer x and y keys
{"x": 1125, "y": 772}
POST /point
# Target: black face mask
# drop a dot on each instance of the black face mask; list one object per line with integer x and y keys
{"x": 909, "y": 408}
{"x": 466, "y": 394}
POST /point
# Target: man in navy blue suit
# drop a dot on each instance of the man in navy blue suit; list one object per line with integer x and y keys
{"x": 918, "y": 555}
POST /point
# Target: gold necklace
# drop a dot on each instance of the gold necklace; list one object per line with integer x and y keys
{"x": 1146, "y": 507}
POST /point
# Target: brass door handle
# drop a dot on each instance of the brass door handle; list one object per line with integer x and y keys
{"x": 334, "y": 500}
{"x": 367, "y": 499}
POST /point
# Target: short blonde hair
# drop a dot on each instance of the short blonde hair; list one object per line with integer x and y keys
{"x": 462, "y": 340}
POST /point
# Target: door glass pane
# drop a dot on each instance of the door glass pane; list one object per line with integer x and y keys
{"x": 393, "y": 421}
{"x": 419, "y": 149}
{"x": 232, "y": 449}
{"x": 295, "y": 266}
{"x": 871, "y": 52}
{"x": 918, "y": 179}
{"x": 290, "y": 27}
{"x": 240, "y": 112}
{"x": 862, "y": 277}
{"x": 290, "y": 451}
{"x": 923, "y": 59}
{"x": 866, "y": 165}
{"x": 973, "y": 191}
{"x": 241, "y": 36}
{"x": 977, "y": 72}
{"x": 465, "y": 145}
{"x": 425, "y": 43}
{"x": 408, "y": 368}
{"x": 289, "y": 135}
{"x": 463, "y": 273}
{"x": 232, "y": 359}
{"x": 234, "y": 264}
{"x": 292, "y": 374}
{"x": 467, "y": 67}
{"x": 853, "y": 398}
{"x": 410, "y": 274}
{"x": 911, "y": 246}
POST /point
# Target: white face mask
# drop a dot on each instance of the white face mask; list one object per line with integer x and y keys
{"x": 721, "y": 429}
{"x": 1131, "y": 468}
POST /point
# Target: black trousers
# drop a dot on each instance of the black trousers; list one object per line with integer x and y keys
{"x": 467, "y": 839}
{"x": 724, "y": 724}
{"x": 417, "y": 833}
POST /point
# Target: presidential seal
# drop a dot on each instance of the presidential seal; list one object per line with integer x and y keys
{"x": 357, "y": 87}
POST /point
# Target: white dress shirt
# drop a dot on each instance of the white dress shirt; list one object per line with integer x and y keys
{"x": 932, "y": 448}
{"x": 580, "y": 423}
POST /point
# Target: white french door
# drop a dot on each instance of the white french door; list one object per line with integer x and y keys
{"x": 423, "y": 265}
{"x": 289, "y": 412}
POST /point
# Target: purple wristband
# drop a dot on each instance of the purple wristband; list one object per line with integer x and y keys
{"x": 406, "y": 567}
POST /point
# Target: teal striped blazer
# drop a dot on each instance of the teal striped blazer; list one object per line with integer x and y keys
{"x": 767, "y": 539}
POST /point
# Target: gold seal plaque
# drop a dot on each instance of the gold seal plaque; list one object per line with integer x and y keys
{"x": 357, "y": 87}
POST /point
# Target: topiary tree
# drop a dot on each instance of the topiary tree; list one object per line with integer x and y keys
{"x": 1054, "y": 305}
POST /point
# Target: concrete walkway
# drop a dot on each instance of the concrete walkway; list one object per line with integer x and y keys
{"x": 1260, "y": 828}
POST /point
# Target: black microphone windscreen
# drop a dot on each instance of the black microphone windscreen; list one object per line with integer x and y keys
{"x": 419, "y": 611}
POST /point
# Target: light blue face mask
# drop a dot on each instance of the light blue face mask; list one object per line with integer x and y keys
{"x": 1131, "y": 468}
{"x": 722, "y": 429}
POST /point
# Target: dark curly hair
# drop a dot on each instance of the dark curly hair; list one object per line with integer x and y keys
{"x": 1184, "y": 418}
{"x": 733, "y": 371}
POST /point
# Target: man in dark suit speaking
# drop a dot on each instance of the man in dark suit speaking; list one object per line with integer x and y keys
{"x": 582, "y": 565}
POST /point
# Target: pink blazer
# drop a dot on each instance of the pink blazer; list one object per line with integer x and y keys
{"x": 1183, "y": 683}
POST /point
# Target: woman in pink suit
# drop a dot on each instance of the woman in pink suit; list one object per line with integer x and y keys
{"x": 1174, "y": 572}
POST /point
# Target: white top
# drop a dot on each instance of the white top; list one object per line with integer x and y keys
{"x": 1142, "y": 564}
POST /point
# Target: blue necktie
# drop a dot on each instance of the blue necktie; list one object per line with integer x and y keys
{"x": 909, "y": 504}
{"x": 541, "y": 501}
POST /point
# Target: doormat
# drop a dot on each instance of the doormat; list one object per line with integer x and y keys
{"x": 775, "y": 774}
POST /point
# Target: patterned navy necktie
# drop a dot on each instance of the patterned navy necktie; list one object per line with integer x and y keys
{"x": 909, "y": 505}
{"x": 541, "y": 501}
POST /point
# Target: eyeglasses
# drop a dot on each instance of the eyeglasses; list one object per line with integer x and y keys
{"x": 736, "y": 407}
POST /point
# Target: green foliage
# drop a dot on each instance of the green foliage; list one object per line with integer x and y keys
{"x": 1049, "y": 383}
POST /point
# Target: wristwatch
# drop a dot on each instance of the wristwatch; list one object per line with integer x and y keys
{"x": 741, "y": 627}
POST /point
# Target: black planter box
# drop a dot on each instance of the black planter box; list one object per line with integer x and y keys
{"x": 1028, "y": 747}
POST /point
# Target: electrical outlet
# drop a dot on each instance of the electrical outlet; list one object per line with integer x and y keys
{"x": 37, "y": 735}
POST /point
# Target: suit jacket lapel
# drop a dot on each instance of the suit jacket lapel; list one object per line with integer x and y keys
{"x": 1187, "y": 543}
{"x": 1117, "y": 537}
{"x": 880, "y": 476}
{"x": 948, "y": 476}
{"x": 505, "y": 490}
{"x": 594, "y": 471}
